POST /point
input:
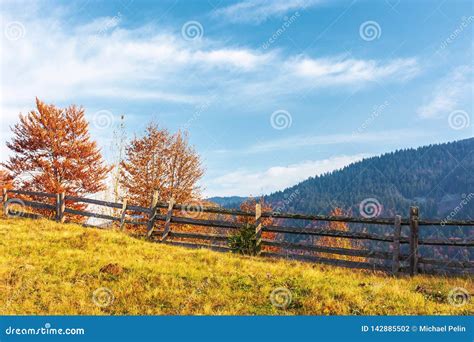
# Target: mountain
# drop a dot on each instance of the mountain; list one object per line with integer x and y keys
{"x": 227, "y": 202}
{"x": 437, "y": 178}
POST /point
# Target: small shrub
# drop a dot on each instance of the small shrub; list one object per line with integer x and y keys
{"x": 244, "y": 241}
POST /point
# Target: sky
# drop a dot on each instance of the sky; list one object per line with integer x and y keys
{"x": 271, "y": 92}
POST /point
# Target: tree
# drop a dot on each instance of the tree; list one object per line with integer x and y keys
{"x": 160, "y": 161}
{"x": 5, "y": 180}
{"x": 249, "y": 205}
{"x": 118, "y": 150}
{"x": 53, "y": 152}
{"x": 248, "y": 221}
{"x": 339, "y": 242}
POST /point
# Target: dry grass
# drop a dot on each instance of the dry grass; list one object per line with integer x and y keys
{"x": 49, "y": 268}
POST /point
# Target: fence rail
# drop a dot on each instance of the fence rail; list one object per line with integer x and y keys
{"x": 389, "y": 261}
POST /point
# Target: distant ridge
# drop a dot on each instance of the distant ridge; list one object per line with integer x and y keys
{"x": 228, "y": 202}
{"x": 438, "y": 178}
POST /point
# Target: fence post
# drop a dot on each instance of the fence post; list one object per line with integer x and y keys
{"x": 58, "y": 207}
{"x": 62, "y": 206}
{"x": 122, "y": 214}
{"x": 258, "y": 227}
{"x": 414, "y": 212}
{"x": 396, "y": 245}
{"x": 4, "y": 202}
{"x": 151, "y": 217}
{"x": 169, "y": 214}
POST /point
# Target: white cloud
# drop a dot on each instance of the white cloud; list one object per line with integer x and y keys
{"x": 101, "y": 61}
{"x": 245, "y": 183}
{"x": 58, "y": 62}
{"x": 339, "y": 70}
{"x": 101, "y": 24}
{"x": 296, "y": 142}
{"x": 449, "y": 93}
{"x": 257, "y": 11}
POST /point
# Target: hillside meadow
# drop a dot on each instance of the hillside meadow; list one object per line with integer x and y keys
{"x": 55, "y": 269}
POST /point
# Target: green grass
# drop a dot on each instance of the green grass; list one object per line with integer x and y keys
{"x": 50, "y": 268}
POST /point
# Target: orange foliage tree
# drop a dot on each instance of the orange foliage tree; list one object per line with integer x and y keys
{"x": 5, "y": 180}
{"x": 249, "y": 205}
{"x": 160, "y": 161}
{"x": 328, "y": 241}
{"x": 53, "y": 152}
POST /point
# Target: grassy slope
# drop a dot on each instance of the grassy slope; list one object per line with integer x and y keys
{"x": 48, "y": 268}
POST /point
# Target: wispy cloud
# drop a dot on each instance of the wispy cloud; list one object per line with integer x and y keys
{"x": 449, "y": 93}
{"x": 257, "y": 11}
{"x": 244, "y": 182}
{"x": 297, "y": 142}
{"x": 349, "y": 70}
{"x": 102, "y": 59}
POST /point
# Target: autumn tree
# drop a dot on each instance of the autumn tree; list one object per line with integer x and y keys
{"x": 339, "y": 242}
{"x": 160, "y": 161}
{"x": 249, "y": 221}
{"x": 249, "y": 206}
{"x": 5, "y": 180}
{"x": 53, "y": 152}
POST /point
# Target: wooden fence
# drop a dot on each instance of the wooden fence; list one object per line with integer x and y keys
{"x": 393, "y": 261}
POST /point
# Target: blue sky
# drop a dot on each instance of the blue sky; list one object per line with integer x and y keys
{"x": 271, "y": 92}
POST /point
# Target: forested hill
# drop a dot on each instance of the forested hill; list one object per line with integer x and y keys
{"x": 437, "y": 178}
